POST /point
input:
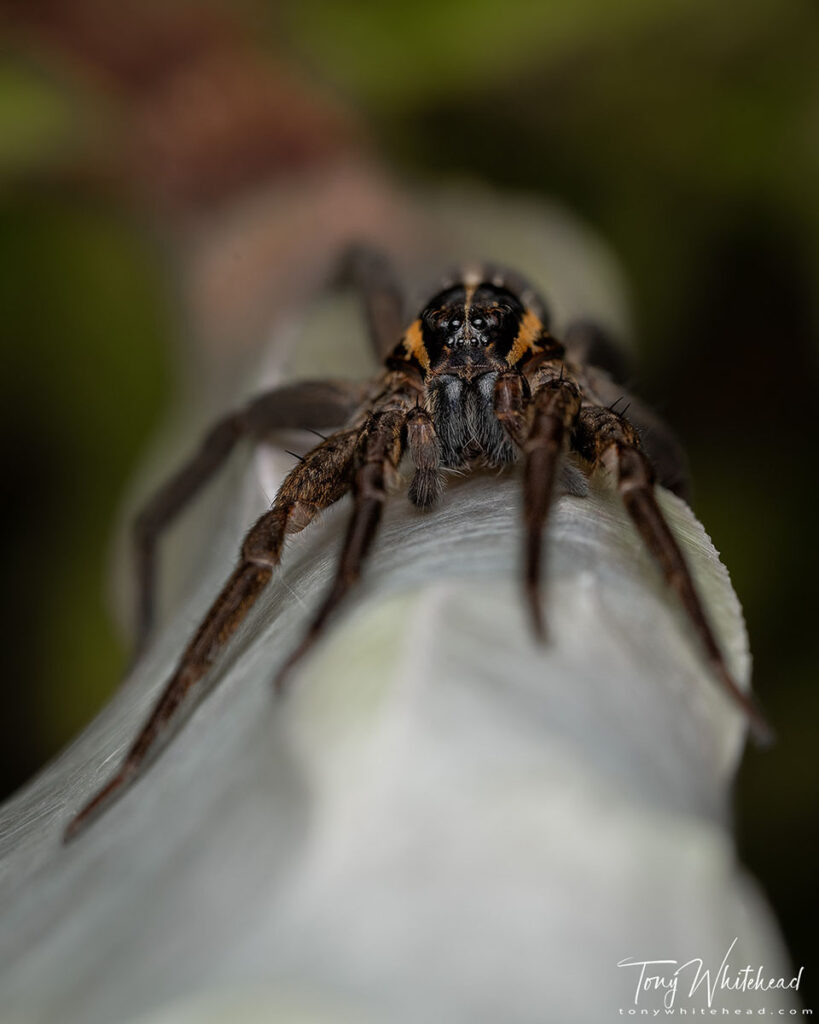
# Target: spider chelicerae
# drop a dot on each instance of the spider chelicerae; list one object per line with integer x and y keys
{"x": 476, "y": 380}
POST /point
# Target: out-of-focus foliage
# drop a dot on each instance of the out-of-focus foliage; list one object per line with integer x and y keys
{"x": 404, "y": 55}
{"x": 686, "y": 133}
{"x": 84, "y": 376}
{"x": 35, "y": 119}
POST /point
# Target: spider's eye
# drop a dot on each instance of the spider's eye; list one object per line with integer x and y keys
{"x": 454, "y": 324}
{"x": 478, "y": 321}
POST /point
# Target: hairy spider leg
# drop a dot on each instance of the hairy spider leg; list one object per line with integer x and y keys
{"x": 657, "y": 439}
{"x": 324, "y": 476}
{"x": 304, "y": 406}
{"x": 556, "y": 402}
{"x": 427, "y": 484}
{"x": 610, "y": 441}
{"x": 382, "y": 453}
{"x": 235, "y": 598}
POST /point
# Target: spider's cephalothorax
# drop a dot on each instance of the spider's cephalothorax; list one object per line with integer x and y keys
{"x": 468, "y": 334}
{"x": 476, "y": 379}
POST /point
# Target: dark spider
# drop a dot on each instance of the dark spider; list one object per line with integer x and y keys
{"x": 475, "y": 380}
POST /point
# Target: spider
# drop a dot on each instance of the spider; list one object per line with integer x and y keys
{"x": 476, "y": 380}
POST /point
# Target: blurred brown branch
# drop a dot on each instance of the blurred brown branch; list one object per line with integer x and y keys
{"x": 202, "y": 111}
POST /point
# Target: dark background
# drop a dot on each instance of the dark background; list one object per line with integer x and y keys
{"x": 686, "y": 134}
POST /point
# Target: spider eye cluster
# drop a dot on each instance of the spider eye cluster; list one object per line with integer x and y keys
{"x": 470, "y": 323}
{"x": 458, "y": 308}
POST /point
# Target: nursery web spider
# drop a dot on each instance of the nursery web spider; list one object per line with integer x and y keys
{"x": 475, "y": 380}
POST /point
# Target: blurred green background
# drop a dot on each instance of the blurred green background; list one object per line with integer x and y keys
{"x": 685, "y": 133}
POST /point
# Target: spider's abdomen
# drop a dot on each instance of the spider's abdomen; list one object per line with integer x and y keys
{"x": 468, "y": 430}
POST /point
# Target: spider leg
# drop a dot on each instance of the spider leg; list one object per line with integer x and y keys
{"x": 305, "y": 405}
{"x": 555, "y": 405}
{"x": 427, "y": 481}
{"x": 381, "y": 455}
{"x": 606, "y": 369}
{"x": 657, "y": 439}
{"x": 321, "y": 479}
{"x": 608, "y": 440}
{"x": 371, "y": 272}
